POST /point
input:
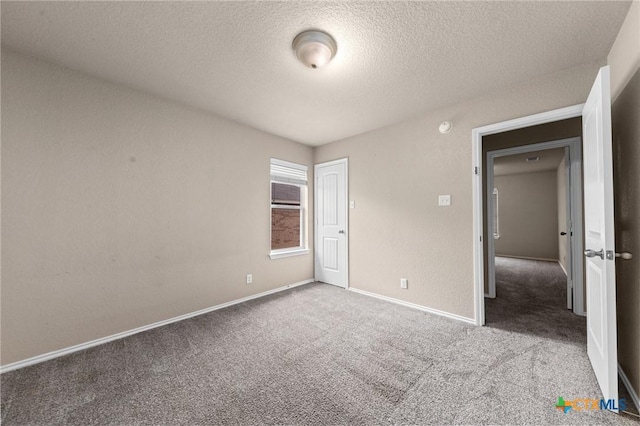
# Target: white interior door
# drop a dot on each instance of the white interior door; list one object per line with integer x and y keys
{"x": 331, "y": 223}
{"x": 599, "y": 237}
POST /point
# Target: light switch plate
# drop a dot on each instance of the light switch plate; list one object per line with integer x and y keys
{"x": 444, "y": 200}
{"x": 352, "y": 204}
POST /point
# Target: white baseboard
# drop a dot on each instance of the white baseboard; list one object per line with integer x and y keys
{"x": 82, "y": 346}
{"x": 562, "y": 267}
{"x": 414, "y": 306}
{"x": 544, "y": 259}
{"x": 630, "y": 389}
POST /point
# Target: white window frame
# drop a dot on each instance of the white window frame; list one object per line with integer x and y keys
{"x": 288, "y": 173}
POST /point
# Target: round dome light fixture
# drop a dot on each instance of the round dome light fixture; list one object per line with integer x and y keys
{"x": 445, "y": 127}
{"x": 314, "y": 48}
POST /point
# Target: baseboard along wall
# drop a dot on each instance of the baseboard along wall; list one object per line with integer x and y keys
{"x": 414, "y": 306}
{"x": 82, "y": 346}
{"x": 630, "y": 389}
{"x": 562, "y": 267}
{"x": 544, "y": 259}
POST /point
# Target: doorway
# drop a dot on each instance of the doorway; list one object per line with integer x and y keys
{"x": 598, "y": 218}
{"x": 528, "y": 177}
{"x": 479, "y": 147}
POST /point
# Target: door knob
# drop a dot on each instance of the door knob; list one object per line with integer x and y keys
{"x": 593, "y": 253}
{"x": 341, "y": 231}
{"x": 563, "y": 233}
{"x": 624, "y": 255}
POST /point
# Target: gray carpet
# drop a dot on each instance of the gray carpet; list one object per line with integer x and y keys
{"x": 532, "y": 298}
{"x": 317, "y": 354}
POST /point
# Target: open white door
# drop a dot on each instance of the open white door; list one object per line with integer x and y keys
{"x": 331, "y": 223}
{"x": 599, "y": 237}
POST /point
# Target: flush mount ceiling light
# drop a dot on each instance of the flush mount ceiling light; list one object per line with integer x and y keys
{"x": 531, "y": 159}
{"x": 314, "y": 48}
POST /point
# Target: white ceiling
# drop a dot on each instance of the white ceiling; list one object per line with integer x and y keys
{"x": 395, "y": 60}
{"x": 514, "y": 164}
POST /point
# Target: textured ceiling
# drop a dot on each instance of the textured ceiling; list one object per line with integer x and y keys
{"x": 514, "y": 164}
{"x": 395, "y": 60}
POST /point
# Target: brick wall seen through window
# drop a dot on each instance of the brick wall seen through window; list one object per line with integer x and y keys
{"x": 285, "y": 216}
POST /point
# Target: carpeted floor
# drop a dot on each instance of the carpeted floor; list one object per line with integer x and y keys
{"x": 529, "y": 291}
{"x": 318, "y": 354}
{"x": 531, "y": 298}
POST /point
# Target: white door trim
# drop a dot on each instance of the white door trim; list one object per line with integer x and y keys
{"x": 574, "y": 190}
{"x": 476, "y": 147}
{"x": 344, "y": 161}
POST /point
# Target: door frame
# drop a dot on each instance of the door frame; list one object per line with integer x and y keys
{"x": 316, "y": 250}
{"x": 575, "y": 276}
{"x": 478, "y": 204}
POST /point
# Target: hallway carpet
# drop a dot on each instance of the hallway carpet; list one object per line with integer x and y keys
{"x": 318, "y": 354}
{"x": 532, "y": 298}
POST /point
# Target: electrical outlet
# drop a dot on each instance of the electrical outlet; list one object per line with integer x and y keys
{"x": 404, "y": 283}
{"x": 249, "y": 278}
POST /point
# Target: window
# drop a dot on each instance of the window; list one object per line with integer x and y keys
{"x": 288, "y": 209}
{"x": 494, "y": 201}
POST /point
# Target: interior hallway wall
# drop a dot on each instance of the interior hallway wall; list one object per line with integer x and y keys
{"x": 120, "y": 209}
{"x": 528, "y": 215}
{"x": 626, "y": 147}
{"x": 624, "y": 60}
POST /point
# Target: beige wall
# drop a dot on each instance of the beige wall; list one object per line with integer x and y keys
{"x": 624, "y": 60}
{"x": 120, "y": 209}
{"x": 624, "y": 57}
{"x": 396, "y": 174}
{"x": 626, "y": 147}
{"x": 563, "y": 241}
{"x": 528, "y": 214}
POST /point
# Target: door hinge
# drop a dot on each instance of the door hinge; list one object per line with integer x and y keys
{"x": 480, "y": 238}
{"x": 475, "y": 170}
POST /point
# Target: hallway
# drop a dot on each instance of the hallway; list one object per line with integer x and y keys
{"x": 531, "y": 299}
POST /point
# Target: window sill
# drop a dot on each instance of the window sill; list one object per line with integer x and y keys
{"x": 288, "y": 253}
